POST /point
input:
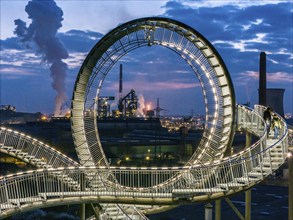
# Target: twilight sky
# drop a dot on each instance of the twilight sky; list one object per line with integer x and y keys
{"x": 239, "y": 30}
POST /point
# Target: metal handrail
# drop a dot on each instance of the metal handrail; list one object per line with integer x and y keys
{"x": 247, "y": 168}
{"x": 37, "y": 153}
{"x": 290, "y": 135}
{"x": 215, "y": 163}
{"x": 31, "y": 150}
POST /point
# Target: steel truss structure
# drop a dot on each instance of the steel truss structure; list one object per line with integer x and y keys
{"x": 191, "y": 46}
{"x": 210, "y": 174}
{"x": 161, "y": 186}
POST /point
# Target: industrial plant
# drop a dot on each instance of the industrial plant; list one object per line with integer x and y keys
{"x": 119, "y": 164}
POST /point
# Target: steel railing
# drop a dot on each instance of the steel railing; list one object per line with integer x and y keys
{"x": 245, "y": 168}
{"x": 41, "y": 155}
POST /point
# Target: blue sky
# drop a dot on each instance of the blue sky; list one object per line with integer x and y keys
{"x": 239, "y": 30}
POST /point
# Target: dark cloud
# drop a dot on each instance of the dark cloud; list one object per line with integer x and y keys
{"x": 10, "y": 43}
{"x": 80, "y": 41}
{"x": 226, "y": 22}
{"x": 239, "y": 35}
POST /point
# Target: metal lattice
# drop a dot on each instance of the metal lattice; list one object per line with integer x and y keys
{"x": 198, "y": 53}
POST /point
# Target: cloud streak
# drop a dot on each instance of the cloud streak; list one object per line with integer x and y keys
{"x": 243, "y": 45}
{"x": 15, "y": 73}
{"x": 158, "y": 86}
{"x": 238, "y": 3}
{"x": 281, "y": 77}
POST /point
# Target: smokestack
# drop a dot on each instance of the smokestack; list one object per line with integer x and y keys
{"x": 120, "y": 80}
{"x": 262, "y": 100}
{"x": 158, "y": 103}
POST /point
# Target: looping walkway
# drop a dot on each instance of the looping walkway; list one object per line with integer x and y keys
{"x": 208, "y": 175}
{"x": 52, "y": 186}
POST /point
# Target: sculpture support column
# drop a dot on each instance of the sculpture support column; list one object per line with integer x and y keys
{"x": 290, "y": 182}
{"x": 208, "y": 211}
{"x": 218, "y": 209}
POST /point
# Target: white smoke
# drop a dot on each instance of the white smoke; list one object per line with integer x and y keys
{"x": 41, "y": 36}
{"x": 140, "y": 112}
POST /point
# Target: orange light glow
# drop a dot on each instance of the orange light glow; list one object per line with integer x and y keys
{"x": 67, "y": 114}
{"x": 44, "y": 118}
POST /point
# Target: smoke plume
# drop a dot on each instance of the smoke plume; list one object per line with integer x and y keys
{"x": 41, "y": 36}
{"x": 141, "y": 106}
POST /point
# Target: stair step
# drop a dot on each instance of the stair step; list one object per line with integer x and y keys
{"x": 25, "y": 200}
{"x": 186, "y": 192}
{"x": 231, "y": 184}
{"x": 273, "y": 159}
{"x": 249, "y": 178}
{"x": 242, "y": 180}
{"x": 264, "y": 170}
{"x": 23, "y": 153}
{"x": 276, "y": 153}
{"x": 7, "y": 147}
{"x": 16, "y": 151}
{"x": 32, "y": 158}
{"x": 271, "y": 141}
{"x": 276, "y": 149}
{"x": 272, "y": 163}
{"x": 7, "y": 206}
{"x": 111, "y": 209}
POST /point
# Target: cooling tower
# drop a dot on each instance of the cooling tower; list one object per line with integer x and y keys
{"x": 275, "y": 100}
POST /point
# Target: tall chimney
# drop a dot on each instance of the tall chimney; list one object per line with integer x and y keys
{"x": 120, "y": 80}
{"x": 262, "y": 94}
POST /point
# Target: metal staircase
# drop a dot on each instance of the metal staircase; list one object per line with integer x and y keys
{"x": 130, "y": 192}
{"x": 197, "y": 183}
{"x": 40, "y": 155}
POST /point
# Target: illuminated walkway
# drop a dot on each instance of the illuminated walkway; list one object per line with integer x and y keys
{"x": 147, "y": 186}
{"x": 40, "y": 155}
{"x": 131, "y": 192}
